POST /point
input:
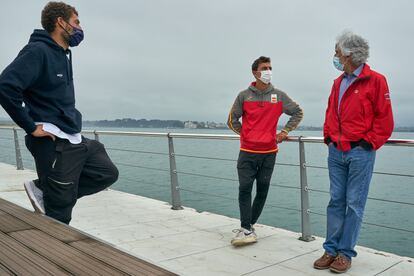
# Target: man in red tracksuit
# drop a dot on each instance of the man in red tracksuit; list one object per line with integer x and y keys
{"x": 260, "y": 107}
{"x": 358, "y": 122}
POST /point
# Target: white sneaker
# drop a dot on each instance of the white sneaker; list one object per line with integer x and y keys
{"x": 35, "y": 195}
{"x": 253, "y": 229}
{"x": 243, "y": 237}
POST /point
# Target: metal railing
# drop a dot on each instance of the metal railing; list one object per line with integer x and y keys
{"x": 173, "y": 172}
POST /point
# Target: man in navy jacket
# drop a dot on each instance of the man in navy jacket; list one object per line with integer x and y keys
{"x": 69, "y": 165}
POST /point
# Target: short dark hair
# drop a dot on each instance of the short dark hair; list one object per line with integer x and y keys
{"x": 258, "y": 61}
{"x": 52, "y": 11}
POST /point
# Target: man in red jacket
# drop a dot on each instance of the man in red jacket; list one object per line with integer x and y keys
{"x": 358, "y": 122}
{"x": 260, "y": 107}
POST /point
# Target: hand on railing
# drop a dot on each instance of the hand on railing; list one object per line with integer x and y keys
{"x": 282, "y": 136}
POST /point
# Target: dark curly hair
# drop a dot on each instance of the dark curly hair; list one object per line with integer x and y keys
{"x": 258, "y": 61}
{"x": 52, "y": 11}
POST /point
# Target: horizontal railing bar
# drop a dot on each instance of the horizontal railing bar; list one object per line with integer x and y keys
{"x": 207, "y": 176}
{"x": 316, "y": 167}
{"x": 370, "y": 198}
{"x": 308, "y": 139}
{"x": 391, "y": 201}
{"x": 394, "y": 174}
{"x": 136, "y": 151}
{"x": 370, "y": 223}
{"x": 316, "y": 213}
{"x": 287, "y": 164}
{"x": 126, "y": 133}
{"x": 285, "y": 186}
{"x": 227, "y": 159}
{"x": 208, "y": 194}
{"x": 317, "y": 190}
{"x": 233, "y": 180}
{"x": 205, "y": 157}
{"x": 142, "y": 182}
{"x": 235, "y": 199}
{"x": 382, "y": 173}
{"x": 388, "y": 227}
{"x": 285, "y": 208}
{"x": 205, "y": 136}
{"x": 141, "y": 167}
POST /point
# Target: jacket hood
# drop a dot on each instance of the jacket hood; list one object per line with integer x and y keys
{"x": 257, "y": 91}
{"x": 43, "y": 36}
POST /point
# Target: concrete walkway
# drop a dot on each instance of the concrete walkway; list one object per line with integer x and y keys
{"x": 192, "y": 243}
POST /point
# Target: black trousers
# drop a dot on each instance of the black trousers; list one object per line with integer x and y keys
{"x": 250, "y": 167}
{"x": 68, "y": 172}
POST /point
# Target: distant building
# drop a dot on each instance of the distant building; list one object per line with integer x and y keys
{"x": 211, "y": 125}
{"x": 221, "y": 125}
{"x": 190, "y": 124}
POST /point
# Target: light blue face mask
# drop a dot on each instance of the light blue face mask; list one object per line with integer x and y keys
{"x": 337, "y": 63}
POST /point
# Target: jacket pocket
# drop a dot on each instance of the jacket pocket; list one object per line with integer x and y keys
{"x": 57, "y": 165}
{"x": 260, "y": 138}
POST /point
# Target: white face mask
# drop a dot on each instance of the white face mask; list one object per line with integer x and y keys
{"x": 266, "y": 76}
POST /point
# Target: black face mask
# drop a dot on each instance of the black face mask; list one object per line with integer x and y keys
{"x": 76, "y": 37}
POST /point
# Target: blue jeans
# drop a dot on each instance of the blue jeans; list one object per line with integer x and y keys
{"x": 349, "y": 174}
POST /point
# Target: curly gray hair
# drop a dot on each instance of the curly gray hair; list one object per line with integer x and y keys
{"x": 353, "y": 45}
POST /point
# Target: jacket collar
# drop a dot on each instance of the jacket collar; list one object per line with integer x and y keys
{"x": 365, "y": 73}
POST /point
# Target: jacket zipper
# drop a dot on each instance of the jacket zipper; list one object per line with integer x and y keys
{"x": 339, "y": 120}
{"x": 339, "y": 109}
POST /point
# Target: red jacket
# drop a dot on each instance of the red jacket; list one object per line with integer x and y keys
{"x": 365, "y": 112}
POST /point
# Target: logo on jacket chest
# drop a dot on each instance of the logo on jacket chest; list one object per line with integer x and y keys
{"x": 273, "y": 98}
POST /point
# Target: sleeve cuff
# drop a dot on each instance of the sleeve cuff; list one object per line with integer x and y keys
{"x": 30, "y": 129}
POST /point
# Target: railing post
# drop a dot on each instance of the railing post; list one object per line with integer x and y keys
{"x": 96, "y": 135}
{"x": 304, "y": 195}
{"x": 19, "y": 161}
{"x": 175, "y": 189}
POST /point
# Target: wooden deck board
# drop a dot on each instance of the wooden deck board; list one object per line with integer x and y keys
{"x": 22, "y": 261}
{"x": 64, "y": 255}
{"x": 4, "y": 271}
{"x": 9, "y": 223}
{"x": 51, "y": 227}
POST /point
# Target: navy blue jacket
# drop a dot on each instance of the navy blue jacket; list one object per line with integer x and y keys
{"x": 41, "y": 77}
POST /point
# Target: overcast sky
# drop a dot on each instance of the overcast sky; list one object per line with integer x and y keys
{"x": 187, "y": 59}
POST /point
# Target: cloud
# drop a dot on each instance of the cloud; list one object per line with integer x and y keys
{"x": 189, "y": 59}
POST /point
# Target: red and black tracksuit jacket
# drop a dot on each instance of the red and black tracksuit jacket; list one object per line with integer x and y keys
{"x": 260, "y": 112}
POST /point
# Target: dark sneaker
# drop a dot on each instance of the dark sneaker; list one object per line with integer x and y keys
{"x": 341, "y": 264}
{"x": 243, "y": 237}
{"x": 36, "y": 196}
{"x": 324, "y": 262}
